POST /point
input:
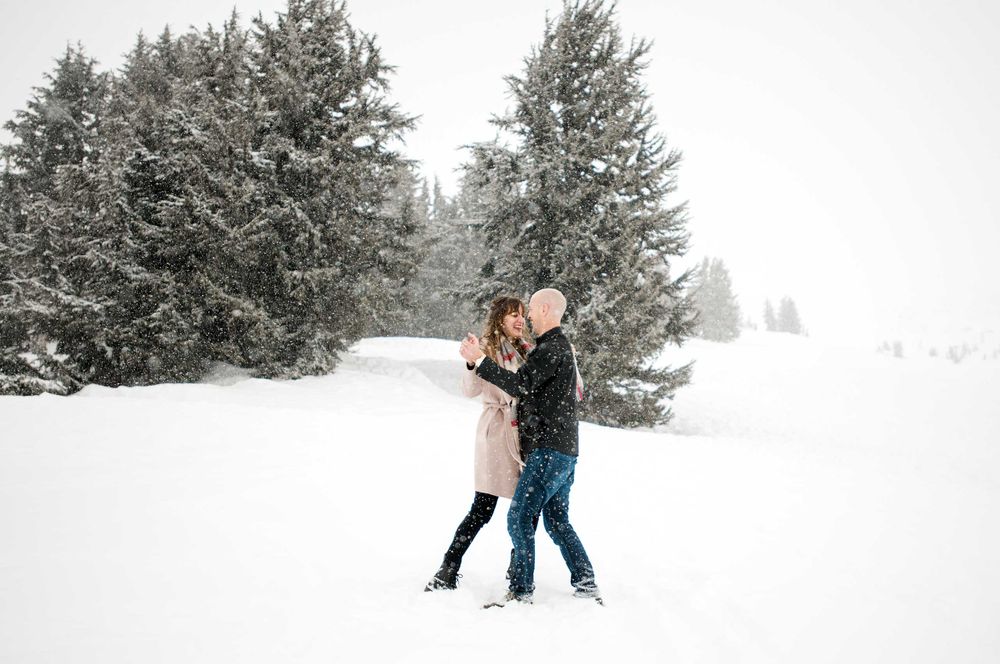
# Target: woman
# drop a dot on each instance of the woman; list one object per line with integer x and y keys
{"x": 498, "y": 455}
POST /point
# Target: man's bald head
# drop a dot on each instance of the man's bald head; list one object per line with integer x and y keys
{"x": 546, "y": 309}
{"x": 555, "y": 300}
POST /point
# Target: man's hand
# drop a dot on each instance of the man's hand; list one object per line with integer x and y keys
{"x": 470, "y": 349}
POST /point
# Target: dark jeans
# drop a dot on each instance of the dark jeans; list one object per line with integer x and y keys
{"x": 483, "y": 506}
{"x": 544, "y": 488}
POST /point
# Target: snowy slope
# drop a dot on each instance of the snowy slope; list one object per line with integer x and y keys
{"x": 808, "y": 504}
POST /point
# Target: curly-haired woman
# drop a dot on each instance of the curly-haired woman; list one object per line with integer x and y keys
{"x": 498, "y": 455}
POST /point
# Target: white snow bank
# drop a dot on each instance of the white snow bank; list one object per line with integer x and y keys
{"x": 809, "y": 504}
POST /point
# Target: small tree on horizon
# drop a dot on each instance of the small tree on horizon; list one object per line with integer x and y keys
{"x": 770, "y": 319}
{"x": 713, "y": 297}
{"x": 788, "y": 317}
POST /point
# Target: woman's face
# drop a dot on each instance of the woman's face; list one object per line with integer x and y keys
{"x": 513, "y": 324}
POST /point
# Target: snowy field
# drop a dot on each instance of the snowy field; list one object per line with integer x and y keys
{"x": 808, "y": 504}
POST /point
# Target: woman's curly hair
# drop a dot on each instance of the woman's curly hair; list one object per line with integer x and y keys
{"x": 493, "y": 329}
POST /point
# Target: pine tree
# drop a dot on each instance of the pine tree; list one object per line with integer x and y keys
{"x": 770, "y": 319}
{"x": 252, "y": 200}
{"x": 233, "y": 205}
{"x": 45, "y": 303}
{"x": 408, "y": 202}
{"x": 453, "y": 248}
{"x": 718, "y": 310}
{"x": 577, "y": 202}
{"x": 331, "y": 250}
{"x": 788, "y": 317}
{"x": 17, "y": 374}
{"x": 252, "y": 194}
{"x": 60, "y": 124}
{"x": 165, "y": 206}
{"x": 443, "y": 207}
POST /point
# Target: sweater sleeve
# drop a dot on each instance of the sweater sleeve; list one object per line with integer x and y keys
{"x": 540, "y": 367}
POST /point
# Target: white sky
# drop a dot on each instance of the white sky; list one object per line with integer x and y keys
{"x": 840, "y": 153}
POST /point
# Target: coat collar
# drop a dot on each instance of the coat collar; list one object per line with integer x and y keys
{"x": 556, "y": 331}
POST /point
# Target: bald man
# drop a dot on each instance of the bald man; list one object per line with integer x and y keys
{"x": 546, "y": 389}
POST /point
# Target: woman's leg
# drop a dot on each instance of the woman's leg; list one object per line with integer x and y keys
{"x": 483, "y": 506}
{"x": 479, "y": 515}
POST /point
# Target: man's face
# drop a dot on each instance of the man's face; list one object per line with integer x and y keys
{"x": 534, "y": 312}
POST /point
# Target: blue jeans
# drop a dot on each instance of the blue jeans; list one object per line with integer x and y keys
{"x": 544, "y": 488}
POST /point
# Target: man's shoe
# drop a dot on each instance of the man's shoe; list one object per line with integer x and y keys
{"x": 589, "y": 593}
{"x": 446, "y": 578}
{"x": 525, "y": 598}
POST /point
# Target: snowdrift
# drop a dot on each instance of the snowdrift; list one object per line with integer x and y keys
{"x": 807, "y": 504}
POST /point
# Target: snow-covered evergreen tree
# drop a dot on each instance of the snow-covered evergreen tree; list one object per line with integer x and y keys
{"x": 60, "y": 123}
{"x": 408, "y": 202}
{"x": 577, "y": 200}
{"x": 45, "y": 305}
{"x": 788, "y": 317}
{"x": 718, "y": 310}
{"x": 161, "y": 144}
{"x": 21, "y": 372}
{"x": 329, "y": 246}
{"x": 770, "y": 318}
{"x": 443, "y": 207}
{"x": 232, "y": 207}
{"x": 453, "y": 250}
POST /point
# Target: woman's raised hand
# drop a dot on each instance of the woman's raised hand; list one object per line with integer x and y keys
{"x": 470, "y": 348}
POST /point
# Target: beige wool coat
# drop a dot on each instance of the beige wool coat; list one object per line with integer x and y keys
{"x": 498, "y": 451}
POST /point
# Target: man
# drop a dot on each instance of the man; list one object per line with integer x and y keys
{"x": 545, "y": 387}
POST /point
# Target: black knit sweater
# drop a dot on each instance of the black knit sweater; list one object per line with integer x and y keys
{"x": 545, "y": 387}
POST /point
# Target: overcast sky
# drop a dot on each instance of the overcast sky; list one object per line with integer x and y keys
{"x": 845, "y": 154}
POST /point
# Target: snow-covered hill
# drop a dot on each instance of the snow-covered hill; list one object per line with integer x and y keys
{"x": 808, "y": 504}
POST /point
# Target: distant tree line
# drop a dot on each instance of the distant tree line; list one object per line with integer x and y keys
{"x": 894, "y": 348}
{"x": 718, "y": 316}
{"x": 453, "y": 250}
{"x": 238, "y": 196}
{"x": 956, "y": 353}
{"x": 785, "y": 320}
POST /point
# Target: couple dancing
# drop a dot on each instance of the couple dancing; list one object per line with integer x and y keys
{"x": 526, "y": 441}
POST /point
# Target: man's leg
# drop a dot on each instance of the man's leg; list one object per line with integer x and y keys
{"x": 529, "y": 496}
{"x": 556, "y": 516}
{"x": 534, "y": 529}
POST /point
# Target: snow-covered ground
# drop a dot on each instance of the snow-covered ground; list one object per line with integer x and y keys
{"x": 808, "y": 504}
